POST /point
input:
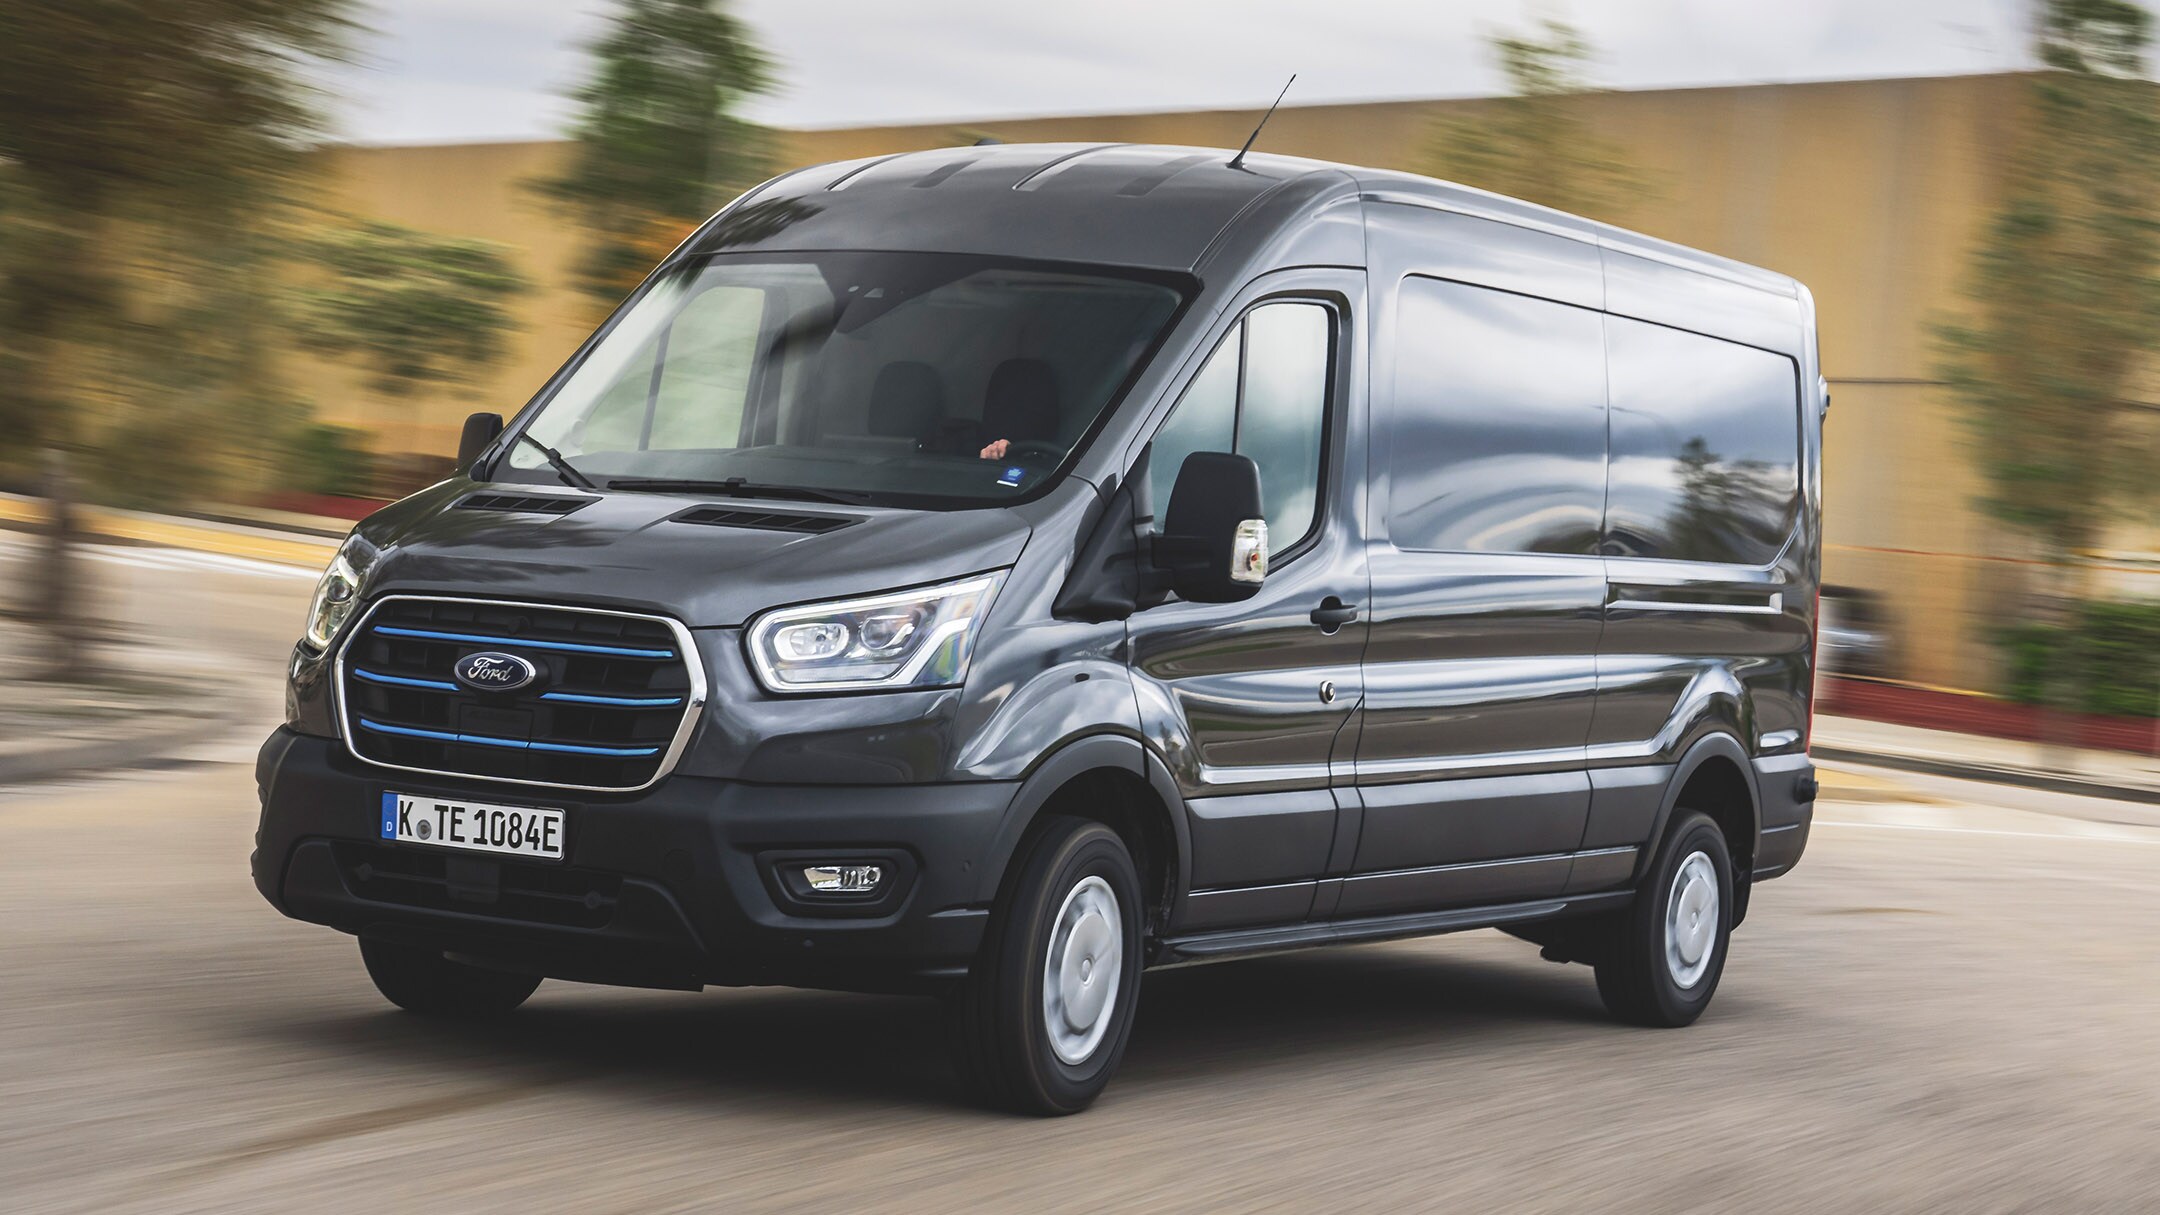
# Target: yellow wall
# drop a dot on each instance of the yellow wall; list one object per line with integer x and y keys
{"x": 1869, "y": 192}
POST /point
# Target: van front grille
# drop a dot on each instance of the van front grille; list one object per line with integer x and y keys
{"x": 612, "y": 694}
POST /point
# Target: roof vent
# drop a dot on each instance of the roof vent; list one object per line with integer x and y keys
{"x": 766, "y": 520}
{"x": 529, "y": 504}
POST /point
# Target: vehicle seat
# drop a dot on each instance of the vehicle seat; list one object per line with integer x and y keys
{"x": 907, "y": 401}
{"x": 1021, "y": 402}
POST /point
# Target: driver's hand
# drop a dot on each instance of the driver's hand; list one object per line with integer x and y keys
{"x": 996, "y": 449}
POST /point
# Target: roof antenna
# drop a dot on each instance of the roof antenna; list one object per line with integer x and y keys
{"x": 1238, "y": 161}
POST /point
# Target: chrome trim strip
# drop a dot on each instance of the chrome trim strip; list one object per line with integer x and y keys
{"x": 1776, "y": 739}
{"x": 1425, "y": 765}
{"x": 1574, "y": 759}
{"x": 1299, "y": 884}
{"x": 1230, "y": 778}
{"x": 1540, "y": 859}
{"x": 686, "y": 651}
{"x": 1775, "y": 606}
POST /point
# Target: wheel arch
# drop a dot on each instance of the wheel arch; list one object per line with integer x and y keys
{"x": 1714, "y": 775}
{"x": 1112, "y": 779}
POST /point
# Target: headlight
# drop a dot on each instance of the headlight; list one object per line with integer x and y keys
{"x": 909, "y": 639}
{"x": 338, "y": 592}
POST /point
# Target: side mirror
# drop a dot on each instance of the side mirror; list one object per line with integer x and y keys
{"x": 480, "y": 430}
{"x": 1214, "y": 543}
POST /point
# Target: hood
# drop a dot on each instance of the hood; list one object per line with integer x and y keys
{"x": 631, "y": 551}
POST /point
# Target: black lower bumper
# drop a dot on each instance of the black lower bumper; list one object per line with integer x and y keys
{"x": 674, "y": 887}
{"x": 1788, "y": 786}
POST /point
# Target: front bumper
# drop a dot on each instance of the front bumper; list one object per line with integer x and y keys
{"x": 671, "y": 887}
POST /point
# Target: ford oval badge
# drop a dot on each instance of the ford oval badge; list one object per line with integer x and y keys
{"x": 494, "y": 671}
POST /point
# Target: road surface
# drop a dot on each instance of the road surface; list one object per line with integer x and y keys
{"x": 1953, "y": 1004}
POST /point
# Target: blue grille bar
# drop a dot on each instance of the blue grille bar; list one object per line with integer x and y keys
{"x": 481, "y": 639}
{"x": 432, "y": 685}
{"x": 581, "y": 698}
{"x": 627, "y": 702}
{"x": 513, "y": 743}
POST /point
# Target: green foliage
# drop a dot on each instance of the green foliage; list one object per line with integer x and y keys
{"x": 325, "y": 459}
{"x": 2112, "y": 650}
{"x": 147, "y": 151}
{"x": 2064, "y": 307}
{"x": 658, "y": 143}
{"x": 1534, "y": 145}
{"x": 410, "y": 308}
{"x": 182, "y": 397}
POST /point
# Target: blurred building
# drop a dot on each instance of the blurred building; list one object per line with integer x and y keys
{"x": 1871, "y": 192}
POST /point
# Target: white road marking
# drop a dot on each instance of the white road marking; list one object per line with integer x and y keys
{"x": 2127, "y": 836}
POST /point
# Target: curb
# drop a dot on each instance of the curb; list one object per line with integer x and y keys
{"x": 2026, "y": 777}
{"x": 111, "y": 754}
{"x": 283, "y": 546}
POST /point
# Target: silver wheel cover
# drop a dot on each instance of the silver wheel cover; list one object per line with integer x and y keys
{"x": 1691, "y": 920}
{"x": 1082, "y": 969}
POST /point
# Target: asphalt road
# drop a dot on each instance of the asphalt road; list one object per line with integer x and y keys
{"x": 1953, "y": 1004}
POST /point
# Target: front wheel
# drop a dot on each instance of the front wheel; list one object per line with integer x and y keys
{"x": 1667, "y": 950}
{"x": 1042, "y": 1019}
{"x": 423, "y": 981}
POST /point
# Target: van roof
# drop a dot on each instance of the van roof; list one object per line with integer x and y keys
{"x": 1142, "y": 205}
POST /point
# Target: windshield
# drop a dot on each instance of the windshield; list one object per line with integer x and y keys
{"x": 905, "y": 378}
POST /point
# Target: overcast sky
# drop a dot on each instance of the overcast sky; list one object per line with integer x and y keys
{"x": 449, "y": 70}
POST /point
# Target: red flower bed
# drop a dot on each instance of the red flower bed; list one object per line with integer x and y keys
{"x": 1984, "y": 715}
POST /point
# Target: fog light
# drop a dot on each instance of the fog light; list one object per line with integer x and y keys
{"x": 843, "y": 879}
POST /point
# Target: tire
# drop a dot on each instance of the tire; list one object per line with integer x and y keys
{"x": 425, "y": 982}
{"x": 1036, "y": 1035}
{"x": 1659, "y": 967}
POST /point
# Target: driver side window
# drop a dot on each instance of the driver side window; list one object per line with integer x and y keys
{"x": 1262, "y": 394}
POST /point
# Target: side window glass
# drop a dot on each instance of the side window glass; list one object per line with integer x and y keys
{"x": 1495, "y": 436}
{"x": 1263, "y": 394}
{"x": 1205, "y": 420}
{"x": 1284, "y": 410}
{"x": 1705, "y": 447}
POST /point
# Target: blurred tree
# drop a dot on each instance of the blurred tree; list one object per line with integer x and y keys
{"x": 2064, "y": 304}
{"x": 410, "y": 308}
{"x": 1534, "y": 145}
{"x": 657, "y": 143}
{"x": 146, "y": 149}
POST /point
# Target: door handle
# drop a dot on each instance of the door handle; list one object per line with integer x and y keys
{"x": 1333, "y": 613}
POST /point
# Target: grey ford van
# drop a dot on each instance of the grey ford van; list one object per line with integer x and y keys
{"x": 993, "y": 572}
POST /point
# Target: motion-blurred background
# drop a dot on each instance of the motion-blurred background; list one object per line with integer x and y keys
{"x": 258, "y": 260}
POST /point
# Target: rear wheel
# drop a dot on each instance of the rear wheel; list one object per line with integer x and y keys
{"x": 1667, "y": 950}
{"x": 423, "y": 981}
{"x": 1041, "y": 1021}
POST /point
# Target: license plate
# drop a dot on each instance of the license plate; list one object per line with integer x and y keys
{"x": 473, "y": 826}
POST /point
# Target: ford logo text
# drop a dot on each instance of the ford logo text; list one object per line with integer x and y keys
{"x": 494, "y": 671}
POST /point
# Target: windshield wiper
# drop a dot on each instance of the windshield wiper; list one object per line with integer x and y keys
{"x": 740, "y": 488}
{"x": 570, "y": 476}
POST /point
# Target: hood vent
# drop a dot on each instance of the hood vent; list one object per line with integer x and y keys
{"x": 766, "y": 520}
{"x": 531, "y": 504}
